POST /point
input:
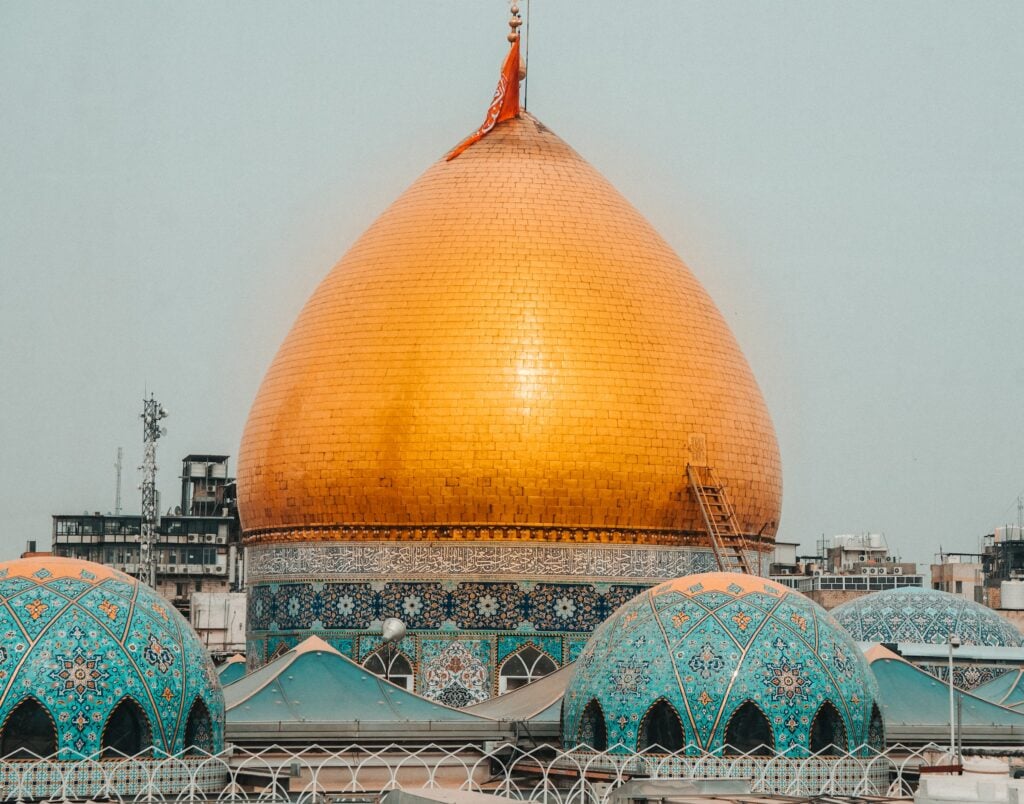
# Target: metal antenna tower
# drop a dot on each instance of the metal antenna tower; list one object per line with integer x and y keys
{"x": 117, "y": 496}
{"x": 152, "y": 413}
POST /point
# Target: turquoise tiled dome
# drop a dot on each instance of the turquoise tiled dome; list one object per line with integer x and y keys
{"x": 93, "y": 662}
{"x": 913, "y": 614}
{"x": 722, "y": 662}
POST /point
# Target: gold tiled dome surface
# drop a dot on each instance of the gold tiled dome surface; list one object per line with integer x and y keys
{"x": 509, "y": 344}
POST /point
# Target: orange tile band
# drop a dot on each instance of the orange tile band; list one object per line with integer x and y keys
{"x": 490, "y": 533}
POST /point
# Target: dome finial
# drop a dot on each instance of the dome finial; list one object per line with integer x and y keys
{"x": 505, "y": 104}
{"x": 514, "y": 22}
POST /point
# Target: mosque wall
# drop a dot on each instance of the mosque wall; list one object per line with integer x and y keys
{"x": 468, "y": 607}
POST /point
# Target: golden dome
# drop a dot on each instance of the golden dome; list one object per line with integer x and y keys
{"x": 510, "y": 351}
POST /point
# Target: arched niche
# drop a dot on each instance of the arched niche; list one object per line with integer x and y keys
{"x": 876, "y": 729}
{"x": 127, "y": 731}
{"x": 661, "y": 730}
{"x": 525, "y": 665}
{"x": 593, "y": 731}
{"x": 199, "y": 728}
{"x": 828, "y": 731}
{"x": 28, "y": 732}
{"x": 749, "y": 731}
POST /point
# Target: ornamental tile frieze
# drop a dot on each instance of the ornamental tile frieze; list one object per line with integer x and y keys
{"x": 412, "y": 560}
{"x": 479, "y": 606}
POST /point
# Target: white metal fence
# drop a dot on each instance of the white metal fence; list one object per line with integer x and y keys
{"x": 356, "y": 773}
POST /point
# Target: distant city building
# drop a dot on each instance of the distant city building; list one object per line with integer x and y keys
{"x": 199, "y": 543}
{"x": 219, "y": 620}
{"x": 847, "y": 567}
{"x": 960, "y": 574}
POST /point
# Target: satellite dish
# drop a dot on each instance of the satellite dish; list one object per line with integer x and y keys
{"x": 392, "y": 630}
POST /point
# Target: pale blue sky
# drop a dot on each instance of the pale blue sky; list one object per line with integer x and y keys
{"x": 846, "y": 179}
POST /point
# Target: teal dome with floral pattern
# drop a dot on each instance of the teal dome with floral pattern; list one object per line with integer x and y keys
{"x": 928, "y": 616}
{"x": 94, "y": 663}
{"x": 726, "y": 663}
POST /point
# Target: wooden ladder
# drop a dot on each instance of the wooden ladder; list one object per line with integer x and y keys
{"x": 727, "y": 542}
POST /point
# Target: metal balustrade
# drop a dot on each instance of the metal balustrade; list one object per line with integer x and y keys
{"x": 358, "y": 773}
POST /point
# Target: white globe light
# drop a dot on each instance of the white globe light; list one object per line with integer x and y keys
{"x": 392, "y": 630}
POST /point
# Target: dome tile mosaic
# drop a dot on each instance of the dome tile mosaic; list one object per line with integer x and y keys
{"x": 722, "y": 662}
{"x": 94, "y": 663}
{"x": 912, "y": 614}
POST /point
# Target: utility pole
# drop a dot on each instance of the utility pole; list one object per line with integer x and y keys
{"x": 117, "y": 495}
{"x": 152, "y": 413}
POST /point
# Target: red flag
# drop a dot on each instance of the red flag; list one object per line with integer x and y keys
{"x": 505, "y": 105}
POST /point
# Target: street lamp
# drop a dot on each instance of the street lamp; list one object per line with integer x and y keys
{"x": 954, "y": 642}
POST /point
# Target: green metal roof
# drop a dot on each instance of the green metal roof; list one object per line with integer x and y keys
{"x": 1006, "y": 690}
{"x": 315, "y": 692}
{"x": 232, "y": 670}
{"x": 915, "y": 706}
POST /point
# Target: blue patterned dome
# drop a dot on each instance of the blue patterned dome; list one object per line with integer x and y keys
{"x": 913, "y": 614}
{"x": 722, "y": 662}
{"x": 93, "y": 662}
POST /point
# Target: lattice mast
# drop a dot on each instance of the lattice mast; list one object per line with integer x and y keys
{"x": 152, "y": 413}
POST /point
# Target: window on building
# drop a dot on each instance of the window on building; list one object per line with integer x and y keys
{"x": 127, "y": 731}
{"x": 661, "y": 730}
{"x": 959, "y": 587}
{"x": 392, "y": 665}
{"x": 749, "y": 731}
{"x": 525, "y": 665}
{"x": 28, "y": 732}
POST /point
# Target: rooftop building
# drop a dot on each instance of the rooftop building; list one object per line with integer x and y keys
{"x": 198, "y": 542}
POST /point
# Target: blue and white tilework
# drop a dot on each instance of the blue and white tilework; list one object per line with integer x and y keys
{"x": 707, "y": 644}
{"x": 80, "y": 637}
{"x": 913, "y": 614}
{"x": 497, "y": 617}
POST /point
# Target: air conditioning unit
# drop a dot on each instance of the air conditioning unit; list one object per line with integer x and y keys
{"x": 897, "y": 570}
{"x": 219, "y": 570}
{"x": 819, "y": 572}
{"x": 193, "y": 537}
{"x": 210, "y": 538}
{"x": 222, "y": 540}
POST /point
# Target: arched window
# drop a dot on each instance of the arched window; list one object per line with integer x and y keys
{"x": 127, "y": 731}
{"x": 392, "y": 665}
{"x": 525, "y": 665}
{"x": 749, "y": 731}
{"x": 281, "y": 649}
{"x": 876, "y": 729}
{"x": 593, "y": 731}
{"x": 199, "y": 728}
{"x": 661, "y": 730}
{"x": 28, "y": 732}
{"x": 828, "y": 732}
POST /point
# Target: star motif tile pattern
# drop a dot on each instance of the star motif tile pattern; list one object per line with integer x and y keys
{"x": 913, "y": 614}
{"x": 79, "y": 637}
{"x": 712, "y": 643}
